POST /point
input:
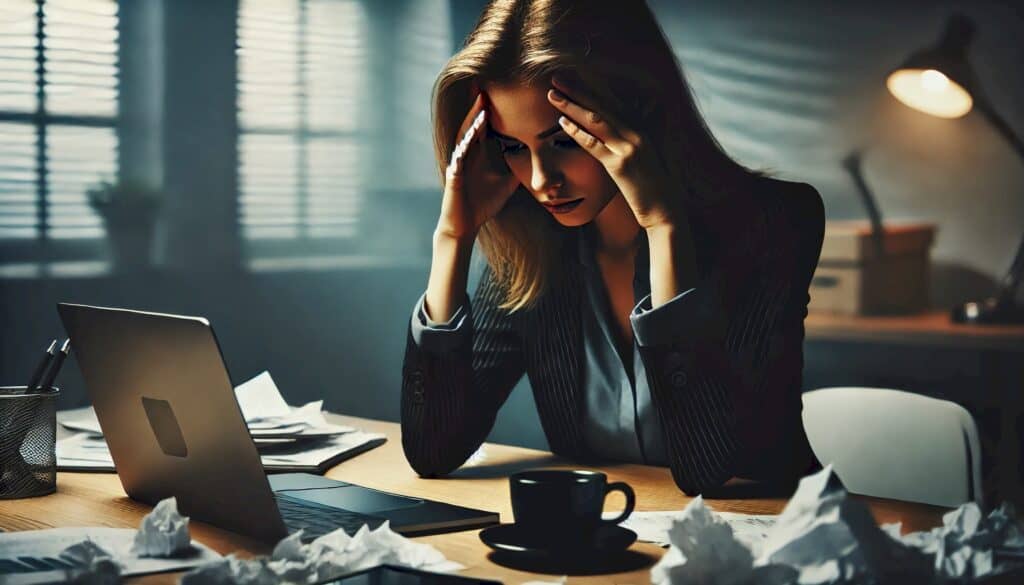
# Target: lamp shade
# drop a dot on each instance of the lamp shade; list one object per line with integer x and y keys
{"x": 938, "y": 80}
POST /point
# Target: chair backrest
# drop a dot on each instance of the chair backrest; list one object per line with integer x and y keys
{"x": 896, "y": 444}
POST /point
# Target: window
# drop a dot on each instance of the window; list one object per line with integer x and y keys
{"x": 301, "y": 75}
{"x": 58, "y": 112}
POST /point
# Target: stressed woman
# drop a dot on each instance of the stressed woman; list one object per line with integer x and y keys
{"x": 652, "y": 289}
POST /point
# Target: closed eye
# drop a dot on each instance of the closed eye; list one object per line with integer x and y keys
{"x": 516, "y": 148}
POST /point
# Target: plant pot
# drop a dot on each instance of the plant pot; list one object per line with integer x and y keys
{"x": 131, "y": 241}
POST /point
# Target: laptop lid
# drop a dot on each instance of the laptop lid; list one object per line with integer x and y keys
{"x": 168, "y": 411}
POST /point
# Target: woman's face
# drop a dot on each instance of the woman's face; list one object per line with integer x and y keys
{"x": 571, "y": 184}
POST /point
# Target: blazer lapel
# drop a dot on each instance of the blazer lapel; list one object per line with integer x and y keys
{"x": 555, "y": 365}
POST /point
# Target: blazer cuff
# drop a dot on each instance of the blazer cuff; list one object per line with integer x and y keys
{"x": 666, "y": 323}
{"x": 436, "y": 336}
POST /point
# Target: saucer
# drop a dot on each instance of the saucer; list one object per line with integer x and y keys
{"x": 609, "y": 538}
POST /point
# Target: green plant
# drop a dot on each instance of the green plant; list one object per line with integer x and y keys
{"x": 124, "y": 199}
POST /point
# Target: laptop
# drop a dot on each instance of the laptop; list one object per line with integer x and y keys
{"x": 167, "y": 408}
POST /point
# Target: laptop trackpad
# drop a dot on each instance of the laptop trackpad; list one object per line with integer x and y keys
{"x": 355, "y": 498}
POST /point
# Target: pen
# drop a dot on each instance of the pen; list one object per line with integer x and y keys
{"x": 41, "y": 367}
{"x": 58, "y": 361}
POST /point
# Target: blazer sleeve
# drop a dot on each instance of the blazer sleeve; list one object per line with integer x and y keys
{"x": 726, "y": 383}
{"x": 455, "y": 377}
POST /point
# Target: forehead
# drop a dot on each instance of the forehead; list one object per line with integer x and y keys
{"x": 520, "y": 111}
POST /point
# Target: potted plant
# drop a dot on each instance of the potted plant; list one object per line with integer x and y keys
{"x": 129, "y": 210}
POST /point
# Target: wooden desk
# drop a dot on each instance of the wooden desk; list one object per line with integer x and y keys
{"x": 933, "y": 328}
{"x": 91, "y": 499}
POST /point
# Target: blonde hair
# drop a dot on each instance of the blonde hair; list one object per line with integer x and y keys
{"x": 619, "y": 53}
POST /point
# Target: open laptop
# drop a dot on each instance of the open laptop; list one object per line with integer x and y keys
{"x": 167, "y": 408}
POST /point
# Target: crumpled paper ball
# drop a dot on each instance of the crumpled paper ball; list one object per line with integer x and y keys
{"x": 330, "y": 555}
{"x": 829, "y": 537}
{"x": 705, "y": 550}
{"x": 95, "y": 564}
{"x": 964, "y": 546}
{"x": 163, "y": 532}
{"x": 825, "y": 537}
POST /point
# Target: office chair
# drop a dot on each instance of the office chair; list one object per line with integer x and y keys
{"x": 896, "y": 444}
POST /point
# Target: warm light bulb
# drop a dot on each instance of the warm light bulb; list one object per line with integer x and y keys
{"x": 930, "y": 91}
{"x": 934, "y": 81}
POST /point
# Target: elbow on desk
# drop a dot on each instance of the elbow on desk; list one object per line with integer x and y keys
{"x": 430, "y": 462}
{"x": 428, "y": 471}
{"x": 693, "y": 485}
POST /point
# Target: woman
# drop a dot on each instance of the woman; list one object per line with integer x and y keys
{"x": 652, "y": 289}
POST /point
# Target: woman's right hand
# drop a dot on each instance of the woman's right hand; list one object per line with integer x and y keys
{"x": 477, "y": 185}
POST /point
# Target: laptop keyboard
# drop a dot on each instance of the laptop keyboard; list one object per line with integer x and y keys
{"x": 316, "y": 519}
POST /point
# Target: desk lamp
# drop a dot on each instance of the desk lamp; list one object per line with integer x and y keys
{"x": 939, "y": 81}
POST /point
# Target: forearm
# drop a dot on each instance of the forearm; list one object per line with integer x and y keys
{"x": 441, "y": 423}
{"x": 450, "y": 398}
{"x": 449, "y": 273}
{"x": 673, "y": 265}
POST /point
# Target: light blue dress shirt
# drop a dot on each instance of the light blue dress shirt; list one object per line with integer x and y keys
{"x": 619, "y": 420}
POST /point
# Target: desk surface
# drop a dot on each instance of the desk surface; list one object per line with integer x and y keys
{"x": 91, "y": 499}
{"x": 934, "y": 328}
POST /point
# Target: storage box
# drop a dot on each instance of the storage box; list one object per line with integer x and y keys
{"x": 853, "y": 279}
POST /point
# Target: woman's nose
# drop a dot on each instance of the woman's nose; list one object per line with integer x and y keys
{"x": 544, "y": 179}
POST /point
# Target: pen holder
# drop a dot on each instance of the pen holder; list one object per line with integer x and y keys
{"x": 28, "y": 433}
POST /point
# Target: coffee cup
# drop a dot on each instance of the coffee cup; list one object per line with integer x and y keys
{"x": 564, "y": 503}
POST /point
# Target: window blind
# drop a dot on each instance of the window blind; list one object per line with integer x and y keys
{"x": 302, "y": 67}
{"x": 58, "y": 106}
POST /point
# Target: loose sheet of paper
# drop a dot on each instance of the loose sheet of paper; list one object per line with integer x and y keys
{"x": 48, "y": 545}
{"x": 654, "y": 526}
{"x": 259, "y": 398}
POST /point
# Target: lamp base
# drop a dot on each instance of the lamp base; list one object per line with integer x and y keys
{"x": 991, "y": 311}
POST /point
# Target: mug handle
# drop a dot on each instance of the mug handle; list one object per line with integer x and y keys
{"x": 630, "y": 500}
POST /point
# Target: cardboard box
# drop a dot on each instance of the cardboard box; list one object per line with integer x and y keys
{"x": 853, "y": 279}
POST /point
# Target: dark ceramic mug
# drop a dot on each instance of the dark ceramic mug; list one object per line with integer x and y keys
{"x": 564, "y": 503}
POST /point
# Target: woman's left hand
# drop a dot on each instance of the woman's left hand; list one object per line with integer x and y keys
{"x": 627, "y": 156}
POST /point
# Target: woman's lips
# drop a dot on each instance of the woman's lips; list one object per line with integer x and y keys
{"x": 563, "y": 207}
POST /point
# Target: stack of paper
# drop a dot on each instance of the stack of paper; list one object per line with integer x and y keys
{"x": 289, "y": 438}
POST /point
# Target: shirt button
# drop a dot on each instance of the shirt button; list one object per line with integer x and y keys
{"x": 417, "y": 396}
{"x": 678, "y": 379}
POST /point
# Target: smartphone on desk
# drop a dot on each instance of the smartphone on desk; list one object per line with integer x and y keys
{"x": 398, "y": 575}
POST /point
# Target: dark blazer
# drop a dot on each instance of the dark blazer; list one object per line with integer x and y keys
{"x": 726, "y": 383}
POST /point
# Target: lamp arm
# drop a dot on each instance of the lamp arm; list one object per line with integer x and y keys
{"x": 985, "y": 108}
{"x": 1009, "y": 284}
{"x": 852, "y": 164}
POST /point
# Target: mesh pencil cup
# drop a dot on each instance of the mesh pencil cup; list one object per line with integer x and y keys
{"x": 28, "y": 432}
